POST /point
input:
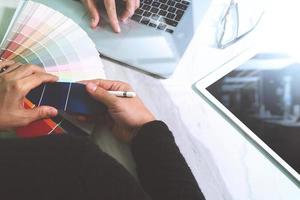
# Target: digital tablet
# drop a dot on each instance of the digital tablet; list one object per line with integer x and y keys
{"x": 260, "y": 93}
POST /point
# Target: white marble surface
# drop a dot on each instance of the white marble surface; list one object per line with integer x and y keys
{"x": 225, "y": 164}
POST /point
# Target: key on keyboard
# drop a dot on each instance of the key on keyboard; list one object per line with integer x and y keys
{"x": 161, "y": 14}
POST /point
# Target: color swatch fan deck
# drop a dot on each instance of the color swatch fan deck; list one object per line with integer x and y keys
{"x": 45, "y": 37}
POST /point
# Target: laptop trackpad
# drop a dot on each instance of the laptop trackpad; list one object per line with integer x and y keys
{"x": 135, "y": 42}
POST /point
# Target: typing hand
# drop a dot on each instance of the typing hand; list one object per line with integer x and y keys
{"x": 110, "y": 6}
{"x": 128, "y": 114}
{"x": 16, "y": 81}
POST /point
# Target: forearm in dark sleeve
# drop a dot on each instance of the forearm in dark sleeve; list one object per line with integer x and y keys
{"x": 63, "y": 167}
{"x": 105, "y": 178}
{"x": 161, "y": 168}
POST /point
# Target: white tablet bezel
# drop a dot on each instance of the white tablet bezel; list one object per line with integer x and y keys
{"x": 218, "y": 74}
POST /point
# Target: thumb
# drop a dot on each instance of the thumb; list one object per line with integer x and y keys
{"x": 101, "y": 95}
{"x": 41, "y": 112}
{"x": 93, "y": 12}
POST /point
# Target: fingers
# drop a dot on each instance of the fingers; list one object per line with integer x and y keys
{"x": 129, "y": 10}
{"x": 35, "y": 80}
{"x": 137, "y": 4}
{"x": 110, "y": 6}
{"x": 19, "y": 72}
{"x": 25, "y": 78}
{"x": 13, "y": 67}
{"x": 6, "y": 63}
{"x": 105, "y": 84}
{"x": 24, "y": 117}
{"x": 109, "y": 85}
{"x": 20, "y": 88}
{"x": 101, "y": 95}
{"x": 93, "y": 12}
{"x": 38, "y": 113}
{"x": 5, "y": 67}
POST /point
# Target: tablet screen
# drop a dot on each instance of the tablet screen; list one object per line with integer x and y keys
{"x": 264, "y": 94}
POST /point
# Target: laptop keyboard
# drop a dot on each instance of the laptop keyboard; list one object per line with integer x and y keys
{"x": 161, "y": 14}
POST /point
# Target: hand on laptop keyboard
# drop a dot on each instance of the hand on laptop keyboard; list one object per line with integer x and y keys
{"x": 110, "y": 6}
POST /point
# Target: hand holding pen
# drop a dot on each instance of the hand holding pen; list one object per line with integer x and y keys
{"x": 127, "y": 114}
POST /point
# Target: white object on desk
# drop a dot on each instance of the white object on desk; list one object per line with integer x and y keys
{"x": 122, "y": 93}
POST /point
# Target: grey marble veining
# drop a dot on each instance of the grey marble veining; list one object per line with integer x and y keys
{"x": 225, "y": 164}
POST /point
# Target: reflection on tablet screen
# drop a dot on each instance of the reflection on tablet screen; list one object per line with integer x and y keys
{"x": 264, "y": 94}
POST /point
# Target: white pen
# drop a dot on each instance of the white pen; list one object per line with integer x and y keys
{"x": 122, "y": 93}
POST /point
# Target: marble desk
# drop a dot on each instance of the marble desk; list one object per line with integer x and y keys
{"x": 225, "y": 164}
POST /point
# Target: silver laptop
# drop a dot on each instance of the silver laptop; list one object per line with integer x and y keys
{"x": 155, "y": 38}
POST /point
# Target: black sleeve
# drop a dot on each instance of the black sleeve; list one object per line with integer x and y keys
{"x": 62, "y": 167}
{"x": 162, "y": 170}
